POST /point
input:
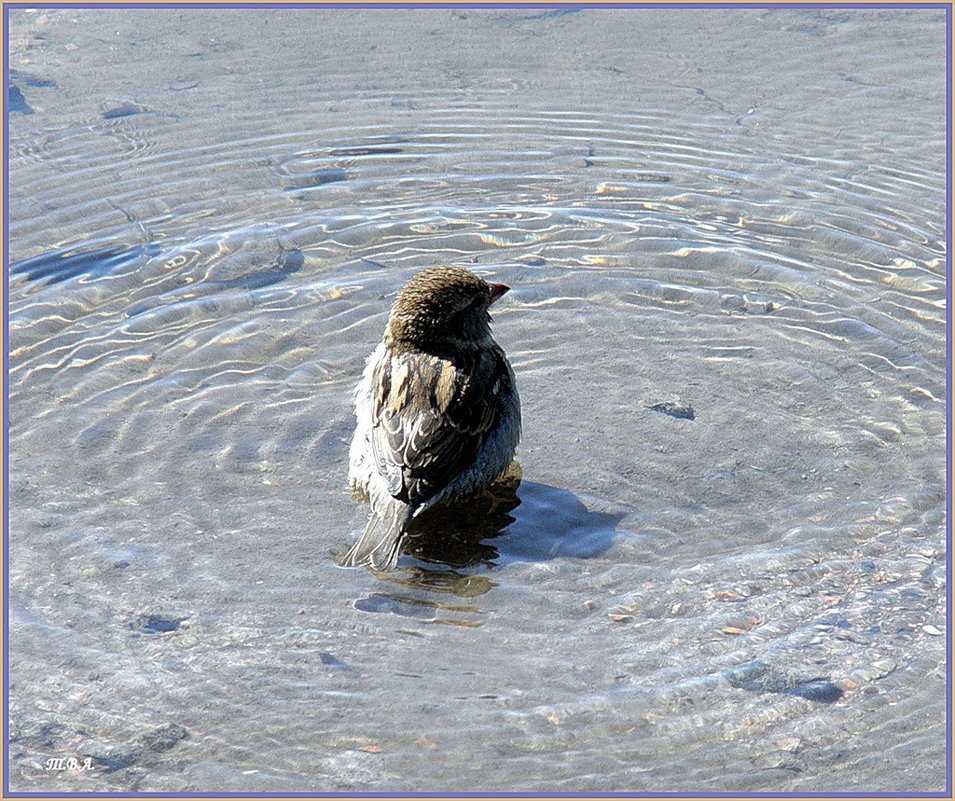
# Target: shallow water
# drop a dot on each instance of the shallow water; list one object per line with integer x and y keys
{"x": 731, "y": 216}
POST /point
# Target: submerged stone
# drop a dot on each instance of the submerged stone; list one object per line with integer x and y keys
{"x": 758, "y": 676}
{"x": 676, "y": 409}
{"x": 156, "y": 624}
{"x": 16, "y": 102}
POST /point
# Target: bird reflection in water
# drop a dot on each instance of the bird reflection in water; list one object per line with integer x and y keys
{"x": 455, "y": 534}
{"x": 455, "y": 550}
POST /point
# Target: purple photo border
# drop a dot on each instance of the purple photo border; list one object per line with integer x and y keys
{"x": 946, "y": 6}
{"x": 6, "y": 402}
{"x": 948, "y": 398}
{"x": 371, "y": 4}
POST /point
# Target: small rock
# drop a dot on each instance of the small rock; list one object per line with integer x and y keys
{"x": 17, "y": 102}
{"x": 156, "y": 624}
{"x": 727, "y": 595}
{"x": 163, "y": 738}
{"x": 316, "y": 178}
{"x": 822, "y": 691}
{"x": 758, "y": 676}
{"x": 790, "y": 744}
{"x": 113, "y": 761}
{"x": 332, "y": 661}
{"x": 675, "y": 409}
{"x": 747, "y": 304}
{"x": 427, "y": 743}
{"x": 123, "y": 110}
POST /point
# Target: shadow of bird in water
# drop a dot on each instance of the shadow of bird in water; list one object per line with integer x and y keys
{"x": 450, "y": 552}
{"x": 519, "y": 521}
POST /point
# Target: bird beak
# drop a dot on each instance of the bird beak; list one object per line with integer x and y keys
{"x": 498, "y": 291}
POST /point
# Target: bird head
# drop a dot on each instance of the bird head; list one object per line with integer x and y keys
{"x": 443, "y": 306}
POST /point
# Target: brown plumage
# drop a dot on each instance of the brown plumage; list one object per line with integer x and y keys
{"x": 438, "y": 415}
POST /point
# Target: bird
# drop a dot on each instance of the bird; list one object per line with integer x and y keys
{"x": 438, "y": 416}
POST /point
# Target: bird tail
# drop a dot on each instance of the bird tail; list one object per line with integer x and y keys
{"x": 378, "y": 544}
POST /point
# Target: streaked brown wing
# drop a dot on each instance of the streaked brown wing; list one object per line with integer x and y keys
{"x": 431, "y": 419}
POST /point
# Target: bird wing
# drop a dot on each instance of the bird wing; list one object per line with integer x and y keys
{"x": 432, "y": 416}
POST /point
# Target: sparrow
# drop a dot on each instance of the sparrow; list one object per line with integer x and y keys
{"x": 437, "y": 410}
